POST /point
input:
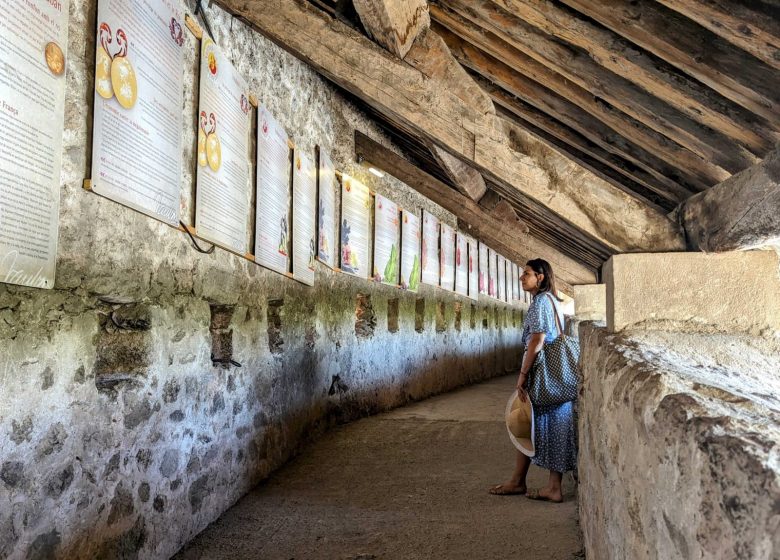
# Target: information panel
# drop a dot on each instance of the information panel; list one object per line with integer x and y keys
{"x": 136, "y": 144}
{"x": 461, "y": 264}
{"x": 355, "y": 227}
{"x": 492, "y": 274}
{"x": 387, "y": 238}
{"x": 410, "y": 251}
{"x": 473, "y": 268}
{"x": 484, "y": 271}
{"x": 326, "y": 213}
{"x": 272, "y": 235}
{"x": 33, "y": 43}
{"x": 516, "y": 283}
{"x": 500, "y": 278}
{"x": 510, "y": 281}
{"x": 430, "y": 249}
{"x": 447, "y": 257}
{"x": 223, "y": 186}
{"x": 304, "y": 229}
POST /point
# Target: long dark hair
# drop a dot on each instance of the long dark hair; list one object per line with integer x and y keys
{"x": 541, "y": 266}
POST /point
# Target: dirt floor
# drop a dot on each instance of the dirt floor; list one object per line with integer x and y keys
{"x": 409, "y": 484}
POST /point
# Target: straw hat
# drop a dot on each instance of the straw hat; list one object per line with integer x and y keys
{"x": 519, "y": 417}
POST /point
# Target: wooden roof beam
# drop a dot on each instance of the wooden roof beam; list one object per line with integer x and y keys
{"x": 502, "y": 235}
{"x": 466, "y": 179}
{"x": 692, "y": 49}
{"x": 621, "y": 57}
{"x": 426, "y": 106}
{"x": 663, "y": 129}
{"x": 394, "y": 25}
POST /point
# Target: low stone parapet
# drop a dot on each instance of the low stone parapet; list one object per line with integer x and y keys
{"x": 679, "y": 445}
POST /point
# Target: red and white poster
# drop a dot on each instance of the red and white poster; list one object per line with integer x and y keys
{"x": 430, "y": 249}
{"x": 303, "y": 212}
{"x": 461, "y": 264}
{"x": 447, "y": 257}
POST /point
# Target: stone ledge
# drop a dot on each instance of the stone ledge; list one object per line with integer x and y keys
{"x": 679, "y": 454}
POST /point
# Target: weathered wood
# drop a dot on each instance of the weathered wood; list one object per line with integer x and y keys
{"x": 403, "y": 93}
{"x": 741, "y": 213}
{"x": 737, "y": 23}
{"x": 662, "y": 126}
{"x": 394, "y": 24}
{"x": 466, "y": 179}
{"x": 553, "y": 104}
{"x": 624, "y": 59}
{"x": 502, "y": 235}
{"x": 694, "y": 50}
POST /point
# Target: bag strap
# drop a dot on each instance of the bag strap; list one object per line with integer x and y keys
{"x": 555, "y": 312}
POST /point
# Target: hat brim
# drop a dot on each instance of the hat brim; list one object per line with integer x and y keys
{"x": 526, "y": 446}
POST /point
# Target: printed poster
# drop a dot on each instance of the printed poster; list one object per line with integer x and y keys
{"x": 461, "y": 264}
{"x": 516, "y": 295}
{"x": 326, "y": 217}
{"x": 304, "y": 229}
{"x": 430, "y": 249}
{"x": 502, "y": 284}
{"x": 355, "y": 227}
{"x": 387, "y": 237}
{"x": 510, "y": 282}
{"x": 136, "y": 145}
{"x": 473, "y": 290}
{"x": 484, "y": 270}
{"x": 410, "y": 251}
{"x": 224, "y": 120}
{"x": 272, "y": 235}
{"x": 447, "y": 257}
{"x": 33, "y": 51}
{"x": 492, "y": 274}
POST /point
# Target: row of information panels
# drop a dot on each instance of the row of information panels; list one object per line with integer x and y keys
{"x": 137, "y": 161}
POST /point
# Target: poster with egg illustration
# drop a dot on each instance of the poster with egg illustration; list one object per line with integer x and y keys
{"x": 304, "y": 206}
{"x": 473, "y": 291}
{"x": 355, "y": 230}
{"x": 387, "y": 241}
{"x": 224, "y": 186}
{"x": 33, "y": 41}
{"x": 447, "y": 257}
{"x": 410, "y": 250}
{"x": 138, "y": 119}
{"x": 430, "y": 249}
{"x": 461, "y": 264}
{"x": 272, "y": 225}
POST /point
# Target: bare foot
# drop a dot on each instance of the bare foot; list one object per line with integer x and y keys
{"x": 546, "y": 495}
{"x": 507, "y": 489}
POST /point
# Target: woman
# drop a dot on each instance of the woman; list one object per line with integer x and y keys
{"x": 554, "y": 429}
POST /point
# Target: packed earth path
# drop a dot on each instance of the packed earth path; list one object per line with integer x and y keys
{"x": 408, "y": 484}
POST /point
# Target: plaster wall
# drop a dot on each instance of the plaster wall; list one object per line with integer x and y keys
{"x": 119, "y": 437}
{"x": 679, "y": 445}
{"x": 723, "y": 292}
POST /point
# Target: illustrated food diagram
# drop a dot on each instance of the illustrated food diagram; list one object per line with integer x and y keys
{"x": 55, "y": 60}
{"x": 209, "y": 148}
{"x": 114, "y": 75}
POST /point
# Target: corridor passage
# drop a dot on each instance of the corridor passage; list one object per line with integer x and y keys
{"x": 409, "y": 484}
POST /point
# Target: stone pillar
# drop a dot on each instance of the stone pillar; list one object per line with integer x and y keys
{"x": 590, "y": 302}
{"x": 724, "y": 292}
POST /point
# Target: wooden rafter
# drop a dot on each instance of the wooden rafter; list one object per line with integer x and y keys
{"x": 663, "y": 130}
{"x": 693, "y": 50}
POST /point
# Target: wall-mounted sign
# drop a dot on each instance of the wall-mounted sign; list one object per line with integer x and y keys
{"x": 410, "y": 251}
{"x": 136, "y": 145}
{"x": 447, "y": 257}
{"x": 326, "y": 210}
{"x": 223, "y": 186}
{"x": 461, "y": 264}
{"x": 473, "y": 265}
{"x": 484, "y": 269}
{"x": 430, "y": 249}
{"x": 33, "y": 51}
{"x": 492, "y": 274}
{"x": 355, "y": 227}
{"x": 272, "y": 236}
{"x": 387, "y": 239}
{"x": 304, "y": 228}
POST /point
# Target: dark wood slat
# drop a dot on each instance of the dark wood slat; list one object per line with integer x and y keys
{"x": 662, "y": 126}
{"x": 693, "y": 49}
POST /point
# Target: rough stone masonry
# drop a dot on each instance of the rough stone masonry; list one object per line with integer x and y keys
{"x": 120, "y": 437}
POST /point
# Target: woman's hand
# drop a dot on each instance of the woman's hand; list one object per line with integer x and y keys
{"x": 522, "y": 394}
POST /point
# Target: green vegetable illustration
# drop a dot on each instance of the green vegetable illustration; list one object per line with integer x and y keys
{"x": 391, "y": 268}
{"x": 414, "y": 277}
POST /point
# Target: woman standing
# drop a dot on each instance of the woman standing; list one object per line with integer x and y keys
{"x": 554, "y": 429}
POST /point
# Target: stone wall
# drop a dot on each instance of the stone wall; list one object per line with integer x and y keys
{"x": 679, "y": 445}
{"x": 119, "y": 436}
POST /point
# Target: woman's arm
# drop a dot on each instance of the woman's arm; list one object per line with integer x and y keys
{"x": 535, "y": 345}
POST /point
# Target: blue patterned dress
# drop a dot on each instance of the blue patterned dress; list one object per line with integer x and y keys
{"x": 555, "y": 426}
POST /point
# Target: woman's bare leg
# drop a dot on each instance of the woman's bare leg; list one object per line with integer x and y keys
{"x": 516, "y": 484}
{"x": 553, "y": 490}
